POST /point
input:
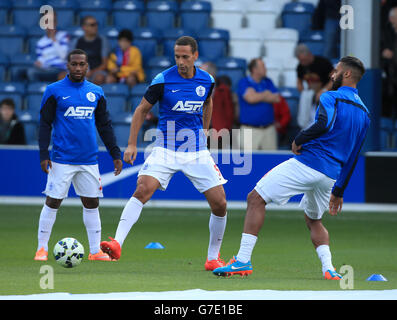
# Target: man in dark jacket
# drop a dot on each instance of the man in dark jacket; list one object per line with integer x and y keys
{"x": 11, "y": 130}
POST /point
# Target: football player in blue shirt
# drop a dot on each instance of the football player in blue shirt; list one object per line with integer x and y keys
{"x": 72, "y": 109}
{"x": 184, "y": 93}
{"x": 325, "y": 157}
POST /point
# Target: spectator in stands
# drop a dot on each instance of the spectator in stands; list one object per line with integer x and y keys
{"x": 257, "y": 94}
{"x": 96, "y": 47}
{"x": 282, "y": 117}
{"x": 51, "y": 50}
{"x": 389, "y": 65}
{"x": 313, "y": 80}
{"x": 326, "y": 17}
{"x": 223, "y": 108}
{"x": 125, "y": 62}
{"x": 11, "y": 130}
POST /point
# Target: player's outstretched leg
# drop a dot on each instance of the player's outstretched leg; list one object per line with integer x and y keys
{"x": 241, "y": 264}
{"x": 46, "y": 222}
{"x": 320, "y": 238}
{"x": 146, "y": 186}
{"x": 217, "y": 200}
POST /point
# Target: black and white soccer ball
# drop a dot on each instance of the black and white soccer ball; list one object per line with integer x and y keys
{"x": 68, "y": 252}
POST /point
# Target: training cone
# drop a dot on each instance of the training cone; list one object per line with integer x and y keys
{"x": 376, "y": 277}
{"x": 154, "y": 245}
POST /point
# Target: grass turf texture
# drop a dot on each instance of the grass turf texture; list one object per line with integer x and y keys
{"x": 283, "y": 259}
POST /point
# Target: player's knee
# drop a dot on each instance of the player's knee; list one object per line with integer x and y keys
{"x": 142, "y": 193}
{"x": 219, "y": 208}
{"x": 53, "y": 203}
{"x": 90, "y": 203}
{"x": 254, "y": 199}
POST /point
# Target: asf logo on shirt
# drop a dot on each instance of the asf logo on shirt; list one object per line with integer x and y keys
{"x": 79, "y": 112}
{"x": 188, "y": 106}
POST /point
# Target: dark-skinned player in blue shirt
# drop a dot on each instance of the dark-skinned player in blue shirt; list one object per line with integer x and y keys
{"x": 325, "y": 156}
{"x": 71, "y": 111}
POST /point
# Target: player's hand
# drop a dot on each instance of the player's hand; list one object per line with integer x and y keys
{"x": 335, "y": 205}
{"x": 296, "y": 149}
{"x": 118, "y": 166}
{"x": 130, "y": 154}
{"x": 45, "y": 164}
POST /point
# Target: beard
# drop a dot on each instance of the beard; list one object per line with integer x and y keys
{"x": 337, "y": 83}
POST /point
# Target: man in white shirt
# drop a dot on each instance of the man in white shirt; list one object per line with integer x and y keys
{"x": 51, "y": 52}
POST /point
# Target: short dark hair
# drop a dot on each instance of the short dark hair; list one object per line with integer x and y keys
{"x": 77, "y": 51}
{"x": 8, "y": 102}
{"x": 85, "y": 18}
{"x": 355, "y": 64}
{"x": 187, "y": 41}
{"x": 252, "y": 64}
{"x": 126, "y": 34}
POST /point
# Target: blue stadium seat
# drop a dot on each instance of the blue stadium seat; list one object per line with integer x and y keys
{"x": 26, "y": 13}
{"x": 169, "y": 38}
{"x": 234, "y": 68}
{"x": 33, "y": 102}
{"x": 13, "y": 90}
{"x": 195, "y": 15}
{"x": 116, "y": 96}
{"x": 161, "y": 15}
{"x": 111, "y": 33}
{"x": 116, "y": 89}
{"x": 74, "y": 32}
{"x": 298, "y": 16}
{"x": 213, "y": 43}
{"x": 147, "y": 41}
{"x": 5, "y": 6}
{"x": 136, "y": 94}
{"x": 4, "y": 60}
{"x": 11, "y": 39}
{"x": 36, "y": 87}
{"x": 2, "y": 73}
{"x": 157, "y": 65}
{"x": 19, "y": 63}
{"x": 31, "y": 132}
{"x": 314, "y": 41}
{"x": 127, "y": 14}
{"x": 96, "y": 8}
{"x": 66, "y": 10}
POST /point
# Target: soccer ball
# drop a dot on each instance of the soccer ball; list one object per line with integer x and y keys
{"x": 68, "y": 252}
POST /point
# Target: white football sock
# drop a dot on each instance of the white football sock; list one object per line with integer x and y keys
{"x": 247, "y": 245}
{"x": 46, "y": 221}
{"x": 325, "y": 257}
{"x": 92, "y": 223}
{"x": 130, "y": 215}
{"x": 217, "y": 227}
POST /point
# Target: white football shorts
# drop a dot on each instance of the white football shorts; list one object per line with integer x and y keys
{"x": 85, "y": 178}
{"x": 199, "y": 167}
{"x": 291, "y": 178}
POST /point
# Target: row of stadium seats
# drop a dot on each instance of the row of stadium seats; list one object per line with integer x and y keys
{"x": 160, "y": 15}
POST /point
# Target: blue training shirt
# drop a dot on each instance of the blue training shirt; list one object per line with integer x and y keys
{"x": 181, "y": 102}
{"x": 333, "y": 143}
{"x": 73, "y": 111}
{"x": 260, "y": 113}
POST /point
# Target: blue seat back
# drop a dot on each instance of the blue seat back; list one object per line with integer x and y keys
{"x": 213, "y": 43}
{"x": 195, "y": 15}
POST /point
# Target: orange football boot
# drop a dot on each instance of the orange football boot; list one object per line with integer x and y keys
{"x": 41, "y": 255}
{"x": 112, "y": 248}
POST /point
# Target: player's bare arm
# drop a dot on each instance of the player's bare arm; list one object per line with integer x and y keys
{"x": 118, "y": 166}
{"x": 137, "y": 120}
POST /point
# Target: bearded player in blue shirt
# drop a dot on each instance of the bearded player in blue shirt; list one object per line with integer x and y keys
{"x": 72, "y": 109}
{"x": 184, "y": 93}
{"x": 325, "y": 157}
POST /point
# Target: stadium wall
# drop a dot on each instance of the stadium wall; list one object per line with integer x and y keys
{"x": 21, "y": 176}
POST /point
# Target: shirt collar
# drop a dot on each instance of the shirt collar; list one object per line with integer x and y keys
{"x": 349, "y": 89}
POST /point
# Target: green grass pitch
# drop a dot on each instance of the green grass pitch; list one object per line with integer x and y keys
{"x": 283, "y": 259}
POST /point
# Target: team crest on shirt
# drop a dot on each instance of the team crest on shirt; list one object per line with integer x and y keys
{"x": 200, "y": 90}
{"x": 90, "y": 96}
